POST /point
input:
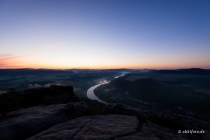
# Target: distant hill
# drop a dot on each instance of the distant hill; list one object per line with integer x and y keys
{"x": 185, "y": 71}
{"x": 22, "y": 72}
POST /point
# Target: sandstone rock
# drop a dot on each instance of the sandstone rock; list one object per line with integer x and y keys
{"x": 24, "y": 123}
{"x": 151, "y": 131}
{"x": 65, "y": 130}
{"x": 119, "y": 108}
{"x": 54, "y": 93}
{"x": 91, "y": 128}
{"x": 108, "y": 127}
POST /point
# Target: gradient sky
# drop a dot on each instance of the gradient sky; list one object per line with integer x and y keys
{"x": 104, "y": 34}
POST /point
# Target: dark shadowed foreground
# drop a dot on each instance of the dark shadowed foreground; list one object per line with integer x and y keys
{"x": 56, "y": 113}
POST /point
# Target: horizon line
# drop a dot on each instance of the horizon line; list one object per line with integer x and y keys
{"x": 104, "y": 68}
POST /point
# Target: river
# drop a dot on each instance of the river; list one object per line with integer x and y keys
{"x": 90, "y": 92}
{"x": 91, "y": 95}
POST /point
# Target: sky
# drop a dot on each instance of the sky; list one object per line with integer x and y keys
{"x": 103, "y": 34}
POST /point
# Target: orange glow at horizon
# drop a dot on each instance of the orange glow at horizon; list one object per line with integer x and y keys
{"x": 18, "y": 62}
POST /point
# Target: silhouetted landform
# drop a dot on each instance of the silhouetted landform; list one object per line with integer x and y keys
{"x": 161, "y": 118}
{"x": 143, "y": 104}
{"x": 28, "y": 71}
{"x": 108, "y": 127}
{"x": 92, "y": 128}
{"x": 36, "y": 110}
{"x": 166, "y": 94}
{"x": 196, "y": 71}
{"x": 14, "y": 100}
{"x": 169, "y": 98}
{"x": 24, "y": 123}
{"x": 188, "y": 93}
{"x": 62, "y": 119}
{"x": 22, "y": 72}
{"x": 81, "y": 79}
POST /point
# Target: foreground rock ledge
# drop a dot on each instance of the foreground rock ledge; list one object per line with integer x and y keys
{"x": 92, "y": 127}
{"x": 24, "y": 123}
{"x": 107, "y": 127}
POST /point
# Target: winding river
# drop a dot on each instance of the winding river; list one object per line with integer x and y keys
{"x": 90, "y": 92}
{"x": 91, "y": 95}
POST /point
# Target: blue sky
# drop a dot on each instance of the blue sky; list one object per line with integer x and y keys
{"x": 104, "y": 34}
